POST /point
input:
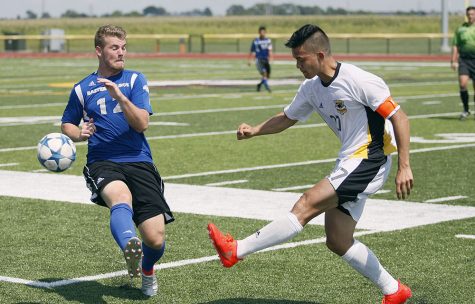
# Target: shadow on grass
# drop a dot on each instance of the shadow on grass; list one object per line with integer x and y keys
{"x": 94, "y": 292}
{"x": 257, "y": 301}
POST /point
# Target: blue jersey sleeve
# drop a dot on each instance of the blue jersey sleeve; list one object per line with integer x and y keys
{"x": 140, "y": 95}
{"x": 253, "y": 47}
{"x": 74, "y": 110}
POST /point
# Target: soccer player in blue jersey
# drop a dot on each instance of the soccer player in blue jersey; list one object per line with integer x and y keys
{"x": 261, "y": 47}
{"x": 114, "y": 105}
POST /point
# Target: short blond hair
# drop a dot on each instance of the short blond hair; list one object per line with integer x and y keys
{"x": 108, "y": 31}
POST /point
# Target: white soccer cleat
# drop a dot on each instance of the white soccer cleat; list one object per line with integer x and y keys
{"x": 464, "y": 115}
{"x": 149, "y": 285}
{"x": 133, "y": 256}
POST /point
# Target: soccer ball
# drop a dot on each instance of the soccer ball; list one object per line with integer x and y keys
{"x": 56, "y": 152}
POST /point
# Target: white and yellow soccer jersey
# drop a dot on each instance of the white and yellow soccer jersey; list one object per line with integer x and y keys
{"x": 356, "y": 105}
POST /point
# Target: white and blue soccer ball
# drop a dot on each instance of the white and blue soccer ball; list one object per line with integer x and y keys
{"x": 56, "y": 152}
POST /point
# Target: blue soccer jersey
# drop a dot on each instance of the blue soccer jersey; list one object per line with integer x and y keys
{"x": 261, "y": 47}
{"x": 114, "y": 139}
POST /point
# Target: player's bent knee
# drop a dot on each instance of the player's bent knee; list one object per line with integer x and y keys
{"x": 155, "y": 242}
{"x": 337, "y": 245}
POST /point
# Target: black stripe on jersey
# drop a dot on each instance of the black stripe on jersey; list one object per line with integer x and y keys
{"x": 337, "y": 70}
{"x": 357, "y": 181}
{"x": 376, "y": 129}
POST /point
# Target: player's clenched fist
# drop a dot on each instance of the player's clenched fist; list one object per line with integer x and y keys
{"x": 245, "y": 131}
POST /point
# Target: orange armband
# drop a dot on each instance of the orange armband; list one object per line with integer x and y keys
{"x": 387, "y": 108}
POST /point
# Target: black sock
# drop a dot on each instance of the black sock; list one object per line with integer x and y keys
{"x": 464, "y": 97}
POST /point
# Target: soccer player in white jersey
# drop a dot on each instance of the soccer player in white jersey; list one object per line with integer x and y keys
{"x": 114, "y": 105}
{"x": 358, "y": 107}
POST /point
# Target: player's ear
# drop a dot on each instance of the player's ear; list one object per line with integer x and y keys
{"x": 98, "y": 50}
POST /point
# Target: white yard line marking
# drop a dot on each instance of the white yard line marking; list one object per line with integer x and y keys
{"x": 9, "y": 165}
{"x": 382, "y": 191}
{"x": 445, "y": 199}
{"x": 168, "y": 123}
{"x": 227, "y": 132}
{"x": 224, "y": 183}
{"x": 465, "y": 236}
{"x": 219, "y": 110}
{"x": 293, "y": 188}
{"x": 309, "y": 162}
{"x": 162, "y": 266}
{"x": 432, "y": 102}
{"x": 35, "y": 105}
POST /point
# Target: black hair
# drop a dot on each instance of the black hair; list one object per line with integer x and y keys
{"x": 262, "y": 28}
{"x": 470, "y": 8}
{"x": 314, "y": 34}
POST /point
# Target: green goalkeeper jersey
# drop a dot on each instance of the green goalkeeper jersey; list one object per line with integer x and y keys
{"x": 464, "y": 39}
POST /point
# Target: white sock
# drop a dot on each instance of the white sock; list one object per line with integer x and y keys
{"x": 363, "y": 260}
{"x": 276, "y": 232}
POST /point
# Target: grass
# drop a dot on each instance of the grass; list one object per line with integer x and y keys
{"x": 48, "y": 241}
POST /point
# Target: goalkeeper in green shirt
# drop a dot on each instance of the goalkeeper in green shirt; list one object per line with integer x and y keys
{"x": 463, "y": 57}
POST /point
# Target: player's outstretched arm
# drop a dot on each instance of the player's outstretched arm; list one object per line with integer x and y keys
{"x": 404, "y": 178}
{"x": 275, "y": 124}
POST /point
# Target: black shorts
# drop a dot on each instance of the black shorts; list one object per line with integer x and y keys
{"x": 263, "y": 66}
{"x": 144, "y": 183}
{"x": 467, "y": 67}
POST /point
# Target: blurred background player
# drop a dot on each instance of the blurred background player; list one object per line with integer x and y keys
{"x": 358, "y": 107}
{"x": 463, "y": 57}
{"x": 114, "y": 104}
{"x": 261, "y": 48}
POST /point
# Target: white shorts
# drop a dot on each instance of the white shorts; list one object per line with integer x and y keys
{"x": 355, "y": 178}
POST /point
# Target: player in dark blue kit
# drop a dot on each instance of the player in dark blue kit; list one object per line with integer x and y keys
{"x": 114, "y": 105}
{"x": 262, "y": 48}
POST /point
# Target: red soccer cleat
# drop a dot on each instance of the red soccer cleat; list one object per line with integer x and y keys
{"x": 400, "y": 296}
{"x": 225, "y": 245}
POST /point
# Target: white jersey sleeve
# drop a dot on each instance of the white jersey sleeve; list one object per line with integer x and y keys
{"x": 374, "y": 93}
{"x": 300, "y": 108}
{"x": 373, "y": 90}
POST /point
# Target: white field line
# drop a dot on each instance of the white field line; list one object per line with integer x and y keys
{"x": 219, "y": 110}
{"x": 227, "y": 132}
{"x": 188, "y": 135}
{"x": 293, "y": 188}
{"x": 200, "y": 96}
{"x": 9, "y": 165}
{"x": 168, "y": 265}
{"x": 445, "y": 199}
{"x": 225, "y": 183}
{"x": 465, "y": 236}
{"x": 382, "y": 191}
{"x": 35, "y": 105}
{"x": 168, "y": 123}
{"x": 303, "y": 163}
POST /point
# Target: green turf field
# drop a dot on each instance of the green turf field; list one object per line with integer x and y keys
{"x": 50, "y": 241}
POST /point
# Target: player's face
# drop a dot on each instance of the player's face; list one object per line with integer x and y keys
{"x": 262, "y": 34}
{"x": 112, "y": 55}
{"x": 471, "y": 16}
{"x": 307, "y": 62}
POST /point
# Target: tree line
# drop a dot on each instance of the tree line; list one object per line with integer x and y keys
{"x": 285, "y": 9}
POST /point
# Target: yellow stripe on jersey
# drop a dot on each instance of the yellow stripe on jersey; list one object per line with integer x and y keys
{"x": 362, "y": 152}
{"x": 388, "y": 147}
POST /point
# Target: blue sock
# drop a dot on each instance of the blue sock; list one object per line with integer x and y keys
{"x": 264, "y": 82}
{"x": 121, "y": 224}
{"x": 150, "y": 257}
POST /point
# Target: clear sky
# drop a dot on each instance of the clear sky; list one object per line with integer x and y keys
{"x": 12, "y": 9}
